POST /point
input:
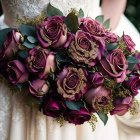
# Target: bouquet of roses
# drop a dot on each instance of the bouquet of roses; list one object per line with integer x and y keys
{"x": 73, "y": 67}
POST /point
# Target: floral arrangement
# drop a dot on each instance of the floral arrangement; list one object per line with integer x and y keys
{"x": 72, "y": 67}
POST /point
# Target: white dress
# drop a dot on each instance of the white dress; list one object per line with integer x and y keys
{"x": 20, "y": 122}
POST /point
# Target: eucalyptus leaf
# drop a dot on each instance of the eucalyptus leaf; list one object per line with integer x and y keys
{"x": 131, "y": 66}
{"x": 106, "y": 24}
{"x": 81, "y": 13}
{"x": 61, "y": 58}
{"x": 23, "y": 54}
{"x": 74, "y": 105}
{"x": 111, "y": 46}
{"x": 3, "y": 34}
{"x": 27, "y": 30}
{"x": 28, "y": 45}
{"x": 118, "y": 86}
{"x": 19, "y": 86}
{"x": 100, "y": 18}
{"x": 72, "y": 22}
{"x": 52, "y": 11}
{"x": 31, "y": 39}
{"x": 103, "y": 117}
{"x": 132, "y": 59}
{"x": 105, "y": 53}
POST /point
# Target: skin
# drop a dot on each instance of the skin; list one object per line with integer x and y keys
{"x": 113, "y": 9}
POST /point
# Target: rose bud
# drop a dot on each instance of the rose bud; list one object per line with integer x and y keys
{"x": 53, "y": 32}
{"x": 115, "y": 65}
{"x": 111, "y": 37}
{"x": 9, "y": 47}
{"x": 137, "y": 66}
{"x": 38, "y": 87}
{"x": 53, "y": 105}
{"x": 133, "y": 84}
{"x": 77, "y": 117}
{"x": 72, "y": 83}
{"x": 98, "y": 97}
{"x": 96, "y": 79}
{"x": 92, "y": 26}
{"x": 16, "y": 72}
{"x": 122, "y": 106}
{"x": 130, "y": 45}
{"x": 40, "y": 61}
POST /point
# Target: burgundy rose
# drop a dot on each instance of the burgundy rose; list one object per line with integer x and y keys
{"x": 122, "y": 106}
{"x": 92, "y": 26}
{"x": 98, "y": 97}
{"x": 9, "y": 47}
{"x": 40, "y": 61}
{"x": 53, "y": 105}
{"x": 137, "y": 66}
{"x": 77, "y": 117}
{"x": 133, "y": 84}
{"x": 111, "y": 37}
{"x": 38, "y": 87}
{"x": 96, "y": 79}
{"x": 17, "y": 72}
{"x": 130, "y": 45}
{"x": 115, "y": 65}
{"x": 53, "y": 32}
{"x": 72, "y": 83}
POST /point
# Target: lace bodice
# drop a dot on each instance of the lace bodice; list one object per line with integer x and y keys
{"x": 32, "y": 8}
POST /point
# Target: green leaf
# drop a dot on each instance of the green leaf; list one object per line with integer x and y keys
{"x": 111, "y": 46}
{"x": 81, "y": 13}
{"x": 3, "y": 34}
{"x": 27, "y": 30}
{"x": 74, "y": 105}
{"x": 52, "y": 11}
{"x": 131, "y": 66}
{"x": 32, "y": 39}
{"x": 103, "y": 117}
{"x": 28, "y": 45}
{"x": 132, "y": 59}
{"x": 23, "y": 54}
{"x": 106, "y": 24}
{"x": 100, "y": 18}
{"x": 105, "y": 53}
{"x": 62, "y": 58}
{"x": 19, "y": 86}
{"x": 118, "y": 86}
{"x": 72, "y": 22}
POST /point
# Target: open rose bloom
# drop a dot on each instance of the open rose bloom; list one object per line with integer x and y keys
{"x": 74, "y": 67}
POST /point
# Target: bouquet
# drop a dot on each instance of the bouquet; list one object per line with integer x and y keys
{"x": 71, "y": 67}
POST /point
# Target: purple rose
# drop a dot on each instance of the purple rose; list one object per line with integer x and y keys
{"x": 133, "y": 84}
{"x": 72, "y": 83}
{"x": 96, "y": 79}
{"x": 40, "y": 61}
{"x": 137, "y": 66}
{"x": 122, "y": 106}
{"x": 53, "y": 32}
{"x": 111, "y": 37}
{"x": 129, "y": 43}
{"x": 115, "y": 65}
{"x": 38, "y": 87}
{"x": 92, "y": 26}
{"x": 9, "y": 47}
{"x": 16, "y": 72}
{"x": 98, "y": 97}
{"x": 77, "y": 117}
{"x": 53, "y": 105}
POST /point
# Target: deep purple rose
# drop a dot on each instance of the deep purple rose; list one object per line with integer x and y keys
{"x": 130, "y": 45}
{"x": 137, "y": 66}
{"x": 77, "y": 117}
{"x": 38, "y": 87}
{"x": 9, "y": 47}
{"x": 98, "y": 97}
{"x": 96, "y": 79}
{"x": 72, "y": 83}
{"x": 133, "y": 84}
{"x": 115, "y": 65}
{"x": 16, "y": 72}
{"x": 53, "y": 32}
{"x": 53, "y": 105}
{"x": 92, "y": 26}
{"x": 40, "y": 61}
{"x": 111, "y": 37}
{"x": 122, "y": 106}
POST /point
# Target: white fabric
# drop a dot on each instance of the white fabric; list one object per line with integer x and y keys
{"x": 20, "y": 122}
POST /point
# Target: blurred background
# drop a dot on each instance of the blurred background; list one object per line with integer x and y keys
{"x": 132, "y": 12}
